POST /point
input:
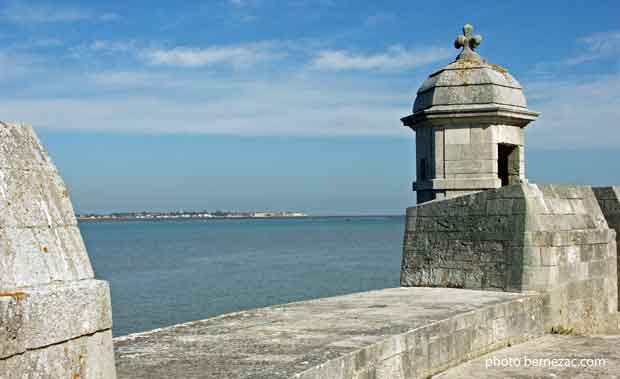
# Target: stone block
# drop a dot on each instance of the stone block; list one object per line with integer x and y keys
{"x": 85, "y": 357}
{"x": 39, "y": 316}
{"x": 500, "y": 207}
{"x": 550, "y": 256}
{"x": 457, "y": 152}
{"x": 389, "y": 369}
{"x": 34, "y": 198}
{"x": 509, "y": 134}
{"x": 35, "y": 256}
{"x": 457, "y": 136}
{"x": 484, "y": 135}
{"x": 480, "y": 167}
{"x": 465, "y": 184}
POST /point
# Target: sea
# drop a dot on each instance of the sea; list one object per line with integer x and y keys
{"x": 166, "y": 272}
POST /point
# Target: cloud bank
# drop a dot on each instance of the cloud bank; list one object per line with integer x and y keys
{"x": 395, "y": 58}
{"x": 270, "y": 87}
{"x": 236, "y": 56}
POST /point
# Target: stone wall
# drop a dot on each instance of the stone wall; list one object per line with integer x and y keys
{"x": 55, "y": 318}
{"x": 609, "y": 201}
{"x": 524, "y": 237}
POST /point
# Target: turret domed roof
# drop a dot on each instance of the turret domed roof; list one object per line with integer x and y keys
{"x": 469, "y": 81}
{"x": 466, "y": 82}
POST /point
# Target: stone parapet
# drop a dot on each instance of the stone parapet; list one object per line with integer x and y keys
{"x": 396, "y": 333}
{"x": 549, "y": 239}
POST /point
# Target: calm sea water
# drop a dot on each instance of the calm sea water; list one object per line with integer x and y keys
{"x": 167, "y": 272}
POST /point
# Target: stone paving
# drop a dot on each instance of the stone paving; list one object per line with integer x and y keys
{"x": 547, "y": 347}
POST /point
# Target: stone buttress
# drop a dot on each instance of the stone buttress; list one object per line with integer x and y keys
{"x": 55, "y": 318}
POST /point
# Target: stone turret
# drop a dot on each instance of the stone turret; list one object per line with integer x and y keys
{"x": 489, "y": 229}
{"x": 55, "y": 318}
{"x": 469, "y": 119}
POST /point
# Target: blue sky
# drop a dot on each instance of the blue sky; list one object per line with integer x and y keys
{"x": 259, "y": 104}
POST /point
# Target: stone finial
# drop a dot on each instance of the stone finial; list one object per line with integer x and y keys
{"x": 468, "y": 42}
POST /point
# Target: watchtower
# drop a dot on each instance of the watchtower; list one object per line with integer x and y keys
{"x": 469, "y": 118}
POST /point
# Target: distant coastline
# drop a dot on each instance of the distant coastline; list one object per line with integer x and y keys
{"x": 183, "y": 215}
{"x": 198, "y": 216}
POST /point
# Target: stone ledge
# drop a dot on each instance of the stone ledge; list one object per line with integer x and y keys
{"x": 393, "y": 333}
{"x": 34, "y": 317}
{"x": 491, "y": 181}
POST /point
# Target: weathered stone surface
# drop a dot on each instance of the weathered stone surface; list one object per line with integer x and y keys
{"x": 590, "y": 358}
{"x": 55, "y": 318}
{"x": 395, "y": 333}
{"x": 462, "y": 82}
{"x": 36, "y": 317}
{"x": 40, "y": 255}
{"x": 21, "y": 149}
{"x": 474, "y": 94}
{"x": 82, "y": 357}
{"x": 549, "y": 239}
{"x": 479, "y": 167}
{"x": 39, "y": 239}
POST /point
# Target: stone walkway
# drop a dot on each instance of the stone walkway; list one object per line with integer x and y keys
{"x": 395, "y": 333}
{"x": 496, "y": 365}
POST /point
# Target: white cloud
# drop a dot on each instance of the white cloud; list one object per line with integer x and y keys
{"x": 111, "y": 46}
{"x": 599, "y": 45}
{"x": 607, "y": 43}
{"x": 124, "y": 80}
{"x": 22, "y": 13}
{"x": 209, "y": 105}
{"x": 395, "y": 58}
{"x": 238, "y": 56}
{"x": 575, "y": 113}
{"x": 103, "y": 49}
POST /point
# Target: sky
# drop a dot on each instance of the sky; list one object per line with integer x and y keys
{"x": 290, "y": 105}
